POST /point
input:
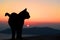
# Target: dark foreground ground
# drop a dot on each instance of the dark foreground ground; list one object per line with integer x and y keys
{"x": 41, "y": 38}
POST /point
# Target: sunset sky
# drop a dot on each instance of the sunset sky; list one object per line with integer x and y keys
{"x": 41, "y": 11}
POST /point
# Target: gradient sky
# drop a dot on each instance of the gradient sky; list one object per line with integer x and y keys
{"x": 41, "y": 11}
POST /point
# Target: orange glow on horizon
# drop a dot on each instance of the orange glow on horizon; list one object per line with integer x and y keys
{"x": 39, "y": 12}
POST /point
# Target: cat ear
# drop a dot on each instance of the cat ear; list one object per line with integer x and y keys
{"x": 25, "y": 9}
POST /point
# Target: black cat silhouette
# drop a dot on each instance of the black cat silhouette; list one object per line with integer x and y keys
{"x": 16, "y": 22}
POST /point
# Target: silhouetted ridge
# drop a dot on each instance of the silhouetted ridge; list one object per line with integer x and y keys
{"x": 36, "y": 31}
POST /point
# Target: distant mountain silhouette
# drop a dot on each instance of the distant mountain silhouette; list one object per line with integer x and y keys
{"x": 35, "y": 31}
